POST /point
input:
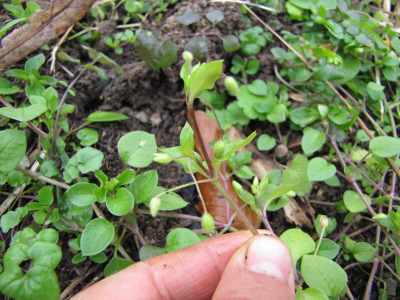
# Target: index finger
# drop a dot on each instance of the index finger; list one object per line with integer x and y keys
{"x": 189, "y": 273}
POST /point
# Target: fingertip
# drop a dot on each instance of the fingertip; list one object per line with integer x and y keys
{"x": 260, "y": 269}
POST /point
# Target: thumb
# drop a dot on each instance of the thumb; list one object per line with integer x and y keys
{"x": 260, "y": 269}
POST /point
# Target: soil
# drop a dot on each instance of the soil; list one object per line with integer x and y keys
{"x": 154, "y": 101}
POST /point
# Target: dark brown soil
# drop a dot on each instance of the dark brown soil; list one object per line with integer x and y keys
{"x": 154, "y": 101}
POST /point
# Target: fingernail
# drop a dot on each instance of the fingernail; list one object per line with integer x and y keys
{"x": 269, "y": 256}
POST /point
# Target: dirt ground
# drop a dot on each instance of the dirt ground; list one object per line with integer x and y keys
{"x": 154, "y": 101}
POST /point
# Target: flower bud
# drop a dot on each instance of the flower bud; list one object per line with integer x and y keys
{"x": 162, "y": 158}
{"x": 207, "y": 222}
{"x": 323, "y": 220}
{"x": 231, "y": 85}
{"x": 187, "y": 55}
{"x": 155, "y": 204}
{"x": 219, "y": 149}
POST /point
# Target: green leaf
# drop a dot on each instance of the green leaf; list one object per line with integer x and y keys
{"x": 156, "y": 53}
{"x": 169, "y": 201}
{"x": 45, "y": 195}
{"x": 35, "y": 63}
{"x": 102, "y": 58}
{"x": 323, "y": 274}
{"x": 375, "y": 91}
{"x": 65, "y": 56}
{"x": 188, "y": 17}
{"x": 297, "y": 174}
{"x": 81, "y": 194}
{"x": 78, "y": 258}
{"x": 258, "y": 87}
{"x": 87, "y": 136}
{"x": 353, "y": 201}
{"x": 143, "y": 186}
{"x": 236, "y": 145}
{"x": 385, "y": 146}
{"x": 126, "y": 177}
{"x": 96, "y": 236}
{"x": 215, "y": 16}
{"x": 310, "y": 294}
{"x": 396, "y": 44}
{"x": 39, "y": 282}
{"x": 179, "y": 238}
{"x": 187, "y": 141}
{"x": 231, "y": 43}
{"x": 203, "y": 78}
{"x": 99, "y": 258}
{"x": 45, "y": 253}
{"x": 122, "y": 203}
{"x": 23, "y": 114}
{"x": 198, "y": 46}
{"x": 137, "y": 148}
{"x": 8, "y": 221}
{"x": 105, "y": 116}
{"x": 328, "y": 249}
{"x": 299, "y": 243}
{"x": 319, "y": 169}
{"x": 10, "y": 24}
{"x": 149, "y": 251}
{"x": 89, "y": 159}
{"x": 6, "y": 88}
{"x": 312, "y": 140}
{"x": 303, "y": 116}
{"x": 363, "y": 252}
{"x": 116, "y": 264}
{"x": 12, "y": 149}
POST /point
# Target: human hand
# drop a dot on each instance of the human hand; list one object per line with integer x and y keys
{"x": 231, "y": 266}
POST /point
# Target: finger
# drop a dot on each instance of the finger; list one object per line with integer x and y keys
{"x": 190, "y": 273}
{"x": 260, "y": 269}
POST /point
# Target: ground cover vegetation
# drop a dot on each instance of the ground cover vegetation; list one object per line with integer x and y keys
{"x": 306, "y": 101}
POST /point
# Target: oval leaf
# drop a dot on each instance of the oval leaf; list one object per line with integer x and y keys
{"x": 319, "y": 169}
{"x": 385, "y": 146}
{"x": 23, "y": 114}
{"x": 323, "y": 274}
{"x": 121, "y": 204}
{"x": 81, "y": 194}
{"x": 12, "y": 149}
{"x": 96, "y": 236}
{"x": 179, "y": 238}
{"x": 137, "y": 148}
{"x": 353, "y": 201}
{"x": 312, "y": 141}
{"x": 298, "y": 242}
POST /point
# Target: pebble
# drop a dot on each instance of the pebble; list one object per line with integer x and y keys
{"x": 142, "y": 117}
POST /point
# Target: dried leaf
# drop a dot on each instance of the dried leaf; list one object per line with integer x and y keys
{"x": 44, "y": 26}
{"x": 216, "y": 204}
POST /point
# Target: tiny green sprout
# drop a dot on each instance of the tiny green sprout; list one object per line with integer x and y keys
{"x": 231, "y": 85}
{"x": 207, "y": 221}
{"x": 219, "y": 149}
{"x": 187, "y": 55}
{"x": 162, "y": 158}
{"x": 155, "y": 204}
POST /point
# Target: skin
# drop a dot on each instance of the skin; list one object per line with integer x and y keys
{"x": 216, "y": 268}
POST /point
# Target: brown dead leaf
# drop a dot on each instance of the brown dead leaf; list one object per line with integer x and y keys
{"x": 215, "y": 202}
{"x": 44, "y": 26}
